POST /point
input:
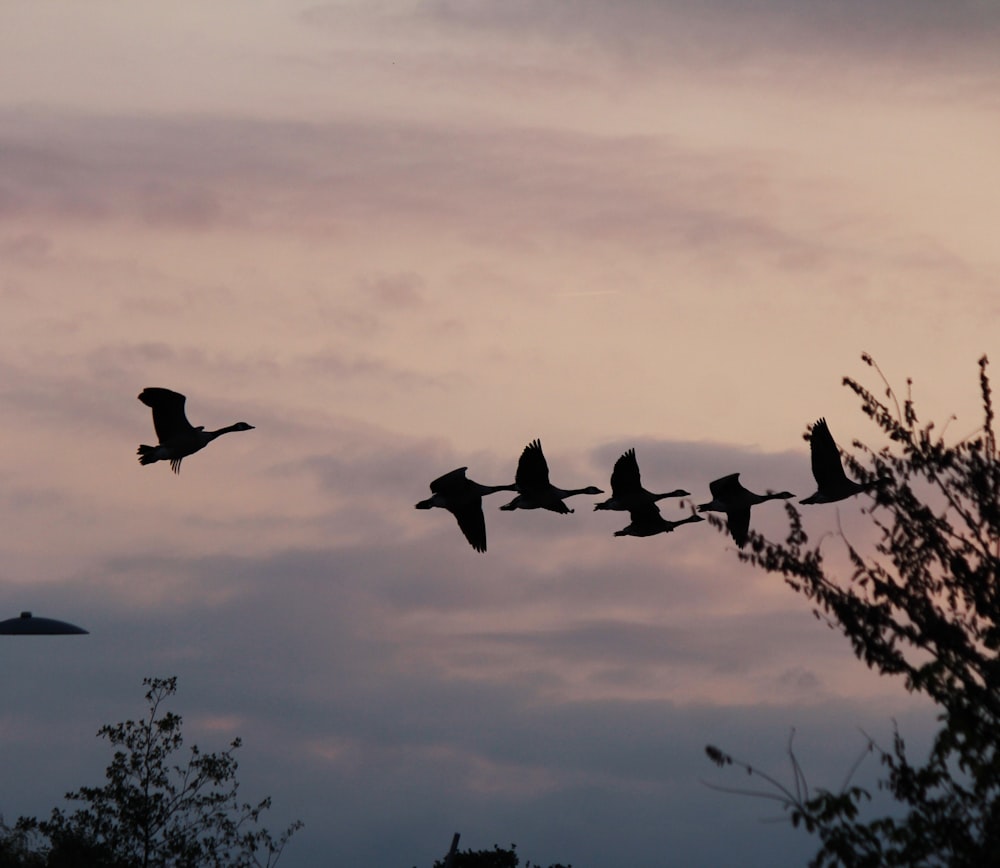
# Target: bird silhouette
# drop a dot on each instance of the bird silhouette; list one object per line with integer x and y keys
{"x": 832, "y": 484}
{"x": 647, "y": 521}
{"x": 463, "y": 498}
{"x": 177, "y": 437}
{"x": 533, "y": 486}
{"x": 626, "y": 486}
{"x": 730, "y": 497}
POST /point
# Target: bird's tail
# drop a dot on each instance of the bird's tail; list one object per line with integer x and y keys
{"x": 147, "y": 454}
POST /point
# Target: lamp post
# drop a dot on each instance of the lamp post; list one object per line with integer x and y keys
{"x": 28, "y": 625}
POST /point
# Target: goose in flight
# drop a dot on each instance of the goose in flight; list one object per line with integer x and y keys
{"x": 626, "y": 486}
{"x": 177, "y": 437}
{"x": 832, "y": 484}
{"x": 647, "y": 521}
{"x": 730, "y": 497}
{"x": 533, "y": 486}
{"x": 463, "y": 498}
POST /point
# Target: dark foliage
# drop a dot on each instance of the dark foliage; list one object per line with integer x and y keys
{"x": 153, "y": 811}
{"x": 17, "y": 849}
{"x": 922, "y": 605}
{"x": 498, "y": 857}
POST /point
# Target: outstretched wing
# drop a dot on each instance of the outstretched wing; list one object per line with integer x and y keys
{"x": 452, "y": 483}
{"x": 738, "y": 521}
{"x": 625, "y": 480}
{"x": 644, "y": 513}
{"x": 827, "y": 467}
{"x": 532, "y": 469}
{"x": 470, "y": 519}
{"x": 169, "y": 419}
{"x": 726, "y": 488}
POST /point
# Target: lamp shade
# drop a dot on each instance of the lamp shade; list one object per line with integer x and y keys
{"x": 28, "y": 625}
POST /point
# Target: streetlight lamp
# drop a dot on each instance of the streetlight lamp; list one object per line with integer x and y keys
{"x": 28, "y": 625}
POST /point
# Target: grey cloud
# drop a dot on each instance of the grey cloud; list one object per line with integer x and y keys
{"x": 45, "y": 177}
{"x": 28, "y": 249}
{"x": 241, "y": 172}
{"x": 28, "y": 499}
{"x": 396, "y": 291}
{"x": 360, "y": 460}
{"x": 375, "y": 301}
{"x": 163, "y": 204}
{"x": 67, "y": 399}
{"x": 732, "y": 32}
{"x": 374, "y": 373}
{"x": 800, "y": 681}
{"x": 701, "y": 641}
{"x": 156, "y": 170}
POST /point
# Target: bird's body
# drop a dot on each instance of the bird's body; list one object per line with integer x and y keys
{"x": 177, "y": 437}
{"x": 730, "y": 497}
{"x": 463, "y": 498}
{"x": 626, "y": 487}
{"x": 647, "y": 521}
{"x": 832, "y": 484}
{"x": 533, "y": 486}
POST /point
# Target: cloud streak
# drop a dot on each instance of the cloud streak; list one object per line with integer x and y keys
{"x": 337, "y": 175}
{"x": 733, "y": 31}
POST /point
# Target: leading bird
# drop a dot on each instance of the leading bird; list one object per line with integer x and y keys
{"x": 832, "y": 484}
{"x": 178, "y": 437}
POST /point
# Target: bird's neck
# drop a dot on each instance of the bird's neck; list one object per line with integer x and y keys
{"x": 490, "y": 489}
{"x": 211, "y": 435}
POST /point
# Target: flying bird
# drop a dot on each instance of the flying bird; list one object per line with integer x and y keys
{"x": 533, "y": 486}
{"x": 463, "y": 498}
{"x": 647, "y": 521}
{"x": 730, "y": 497}
{"x": 626, "y": 486}
{"x": 832, "y": 484}
{"x": 178, "y": 437}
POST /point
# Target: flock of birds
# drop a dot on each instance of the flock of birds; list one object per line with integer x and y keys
{"x": 463, "y": 497}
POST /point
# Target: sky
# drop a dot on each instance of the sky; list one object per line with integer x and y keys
{"x": 404, "y": 237}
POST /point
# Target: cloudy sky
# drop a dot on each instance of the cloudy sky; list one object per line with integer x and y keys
{"x": 403, "y": 237}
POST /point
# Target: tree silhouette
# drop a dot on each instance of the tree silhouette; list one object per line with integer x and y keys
{"x": 498, "y": 857}
{"x": 921, "y": 603}
{"x": 17, "y": 850}
{"x": 153, "y": 811}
